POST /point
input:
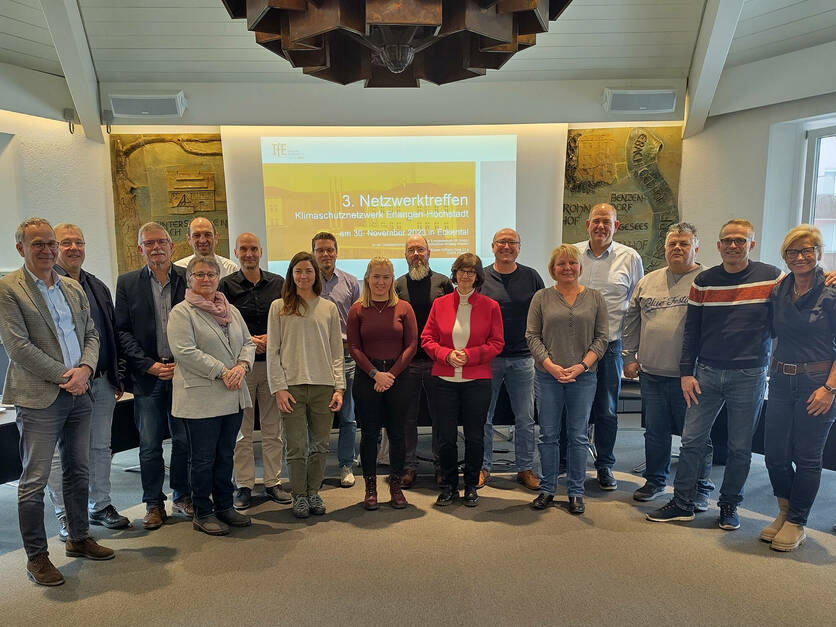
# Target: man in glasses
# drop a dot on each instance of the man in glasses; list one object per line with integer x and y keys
{"x": 420, "y": 286}
{"x": 512, "y": 285}
{"x": 106, "y": 386}
{"x": 725, "y": 353}
{"x": 203, "y": 239}
{"x": 144, "y": 299}
{"x": 53, "y": 347}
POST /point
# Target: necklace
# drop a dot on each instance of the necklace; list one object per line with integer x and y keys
{"x": 799, "y": 294}
{"x": 380, "y": 310}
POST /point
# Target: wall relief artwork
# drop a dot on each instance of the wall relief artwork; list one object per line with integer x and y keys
{"x": 634, "y": 169}
{"x": 168, "y": 179}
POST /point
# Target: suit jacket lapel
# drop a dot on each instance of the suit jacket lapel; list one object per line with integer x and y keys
{"x": 32, "y": 291}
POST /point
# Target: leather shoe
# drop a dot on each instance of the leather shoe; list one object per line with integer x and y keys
{"x": 471, "y": 497}
{"x": 484, "y": 477}
{"x": 528, "y": 479}
{"x": 241, "y": 498}
{"x": 408, "y": 478}
{"x": 63, "y": 533}
{"x": 88, "y": 548}
{"x": 542, "y": 501}
{"x": 154, "y": 518}
{"x": 606, "y": 480}
{"x": 210, "y": 525}
{"x": 398, "y": 500}
{"x": 278, "y": 495}
{"x": 233, "y": 518}
{"x": 446, "y": 497}
{"x": 109, "y": 517}
{"x": 183, "y": 506}
{"x": 40, "y": 570}
{"x": 576, "y": 505}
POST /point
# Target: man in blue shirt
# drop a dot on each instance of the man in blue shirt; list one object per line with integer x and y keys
{"x": 53, "y": 347}
{"x": 342, "y": 289}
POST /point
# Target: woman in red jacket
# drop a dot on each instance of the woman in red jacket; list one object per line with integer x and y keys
{"x": 462, "y": 335}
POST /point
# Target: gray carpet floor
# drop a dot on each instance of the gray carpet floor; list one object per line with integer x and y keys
{"x": 500, "y": 563}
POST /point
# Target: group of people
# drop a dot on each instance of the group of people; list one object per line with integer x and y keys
{"x": 199, "y": 342}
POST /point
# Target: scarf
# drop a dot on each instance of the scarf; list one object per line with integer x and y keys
{"x": 218, "y": 307}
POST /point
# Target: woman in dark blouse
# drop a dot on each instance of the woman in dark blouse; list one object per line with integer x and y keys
{"x": 800, "y": 411}
{"x": 382, "y": 337}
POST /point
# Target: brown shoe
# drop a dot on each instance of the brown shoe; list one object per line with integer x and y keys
{"x": 528, "y": 479}
{"x": 370, "y": 501}
{"x": 40, "y": 570}
{"x": 89, "y": 548}
{"x": 154, "y": 518}
{"x": 484, "y": 476}
{"x": 408, "y": 478}
{"x": 398, "y": 499}
{"x": 183, "y": 506}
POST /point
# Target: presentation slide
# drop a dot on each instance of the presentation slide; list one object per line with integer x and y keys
{"x": 374, "y": 192}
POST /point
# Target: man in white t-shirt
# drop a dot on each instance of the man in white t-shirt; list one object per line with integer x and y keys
{"x": 203, "y": 238}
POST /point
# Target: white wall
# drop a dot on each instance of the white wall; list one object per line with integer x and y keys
{"x": 724, "y": 173}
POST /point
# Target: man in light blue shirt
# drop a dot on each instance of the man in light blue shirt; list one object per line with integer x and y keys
{"x": 614, "y": 270}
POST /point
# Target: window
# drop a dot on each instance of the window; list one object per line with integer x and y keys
{"x": 820, "y": 189}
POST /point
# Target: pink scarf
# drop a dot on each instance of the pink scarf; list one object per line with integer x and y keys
{"x": 218, "y": 307}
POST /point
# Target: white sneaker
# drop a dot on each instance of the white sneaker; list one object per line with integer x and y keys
{"x": 346, "y": 477}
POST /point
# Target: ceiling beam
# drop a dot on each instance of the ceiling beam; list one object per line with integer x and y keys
{"x": 719, "y": 21}
{"x": 63, "y": 17}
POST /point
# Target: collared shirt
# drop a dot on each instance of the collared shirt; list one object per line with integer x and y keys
{"x": 805, "y": 328}
{"x": 614, "y": 273}
{"x": 253, "y": 301}
{"x": 343, "y": 290}
{"x": 227, "y": 265}
{"x": 61, "y": 314}
{"x": 161, "y": 294}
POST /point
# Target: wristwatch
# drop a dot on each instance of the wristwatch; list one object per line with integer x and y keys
{"x": 829, "y": 389}
{"x": 585, "y": 367}
{"x": 373, "y": 372}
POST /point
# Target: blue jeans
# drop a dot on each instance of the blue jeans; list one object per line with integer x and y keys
{"x": 99, "y": 465}
{"x": 605, "y": 407}
{"x": 151, "y": 413}
{"x": 792, "y": 436}
{"x": 212, "y": 444}
{"x": 67, "y": 423}
{"x": 577, "y": 397}
{"x": 348, "y": 425}
{"x": 518, "y": 374}
{"x": 664, "y": 415}
{"x": 742, "y": 391}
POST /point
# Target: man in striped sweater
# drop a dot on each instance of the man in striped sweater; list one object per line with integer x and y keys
{"x": 725, "y": 353}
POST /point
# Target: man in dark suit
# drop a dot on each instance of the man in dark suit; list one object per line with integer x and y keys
{"x": 46, "y": 326}
{"x": 144, "y": 299}
{"x": 106, "y": 386}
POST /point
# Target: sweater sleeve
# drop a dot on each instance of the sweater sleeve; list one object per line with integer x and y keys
{"x": 534, "y": 329}
{"x": 335, "y": 336}
{"x": 631, "y": 334}
{"x": 410, "y": 339}
{"x": 355, "y": 339}
{"x": 693, "y": 330}
{"x": 275, "y": 372}
{"x": 602, "y": 326}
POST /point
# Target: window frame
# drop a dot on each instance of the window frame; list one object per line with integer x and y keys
{"x": 811, "y": 171}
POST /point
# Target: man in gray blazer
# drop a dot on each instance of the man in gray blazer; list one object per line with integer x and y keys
{"x": 53, "y": 347}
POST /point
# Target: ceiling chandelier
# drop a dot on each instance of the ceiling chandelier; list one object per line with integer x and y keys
{"x": 390, "y": 43}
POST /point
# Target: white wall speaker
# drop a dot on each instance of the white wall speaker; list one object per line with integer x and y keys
{"x": 637, "y": 101}
{"x": 148, "y": 105}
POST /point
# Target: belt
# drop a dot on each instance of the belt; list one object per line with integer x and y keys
{"x": 794, "y": 369}
{"x": 383, "y": 365}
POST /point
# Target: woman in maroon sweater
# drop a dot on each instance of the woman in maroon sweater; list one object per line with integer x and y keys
{"x": 462, "y": 335}
{"x": 382, "y": 337}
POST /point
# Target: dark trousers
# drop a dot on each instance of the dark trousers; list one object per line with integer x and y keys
{"x": 67, "y": 423}
{"x": 468, "y": 403}
{"x": 419, "y": 372}
{"x": 212, "y": 444}
{"x": 382, "y": 409}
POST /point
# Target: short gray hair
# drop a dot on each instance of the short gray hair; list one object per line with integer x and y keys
{"x": 209, "y": 260}
{"x": 681, "y": 228}
{"x": 149, "y": 226}
{"x": 33, "y": 221}
{"x": 68, "y": 225}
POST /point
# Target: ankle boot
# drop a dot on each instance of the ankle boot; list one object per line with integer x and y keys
{"x": 768, "y": 533}
{"x": 789, "y": 537}
{"x": 398, "y": 499}
{"x": 370, "y": 502}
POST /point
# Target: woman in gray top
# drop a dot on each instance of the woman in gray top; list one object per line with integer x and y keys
{"x": 567, "y": 334}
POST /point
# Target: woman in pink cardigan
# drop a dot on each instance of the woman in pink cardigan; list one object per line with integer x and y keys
{"x": 462, "y": 335}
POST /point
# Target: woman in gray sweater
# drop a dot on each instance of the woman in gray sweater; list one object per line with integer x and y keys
{"x": 567, "y": 335}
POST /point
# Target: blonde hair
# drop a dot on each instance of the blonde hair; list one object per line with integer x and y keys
{"x": 366, "y": 296}
{"x": 802, "y": 230}
{"x": 564, "y": 250}
{"x": 740, "y": 222}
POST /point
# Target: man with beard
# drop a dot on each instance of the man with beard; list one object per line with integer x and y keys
{"x": 420, "y": 286}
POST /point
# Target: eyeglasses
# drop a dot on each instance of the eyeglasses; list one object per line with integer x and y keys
{"x": 67, "y": 243}
{"x": 737, "y": 241}
{"x": 149, "y": 243}
{"x": 416, "y": 250}
{"x": 205, "y": 275}
{"x": 40, "y": 245}
{"x": 506, "y": 242}
{"x": 467, "y": 272}
{"x": 792, "y": 253}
